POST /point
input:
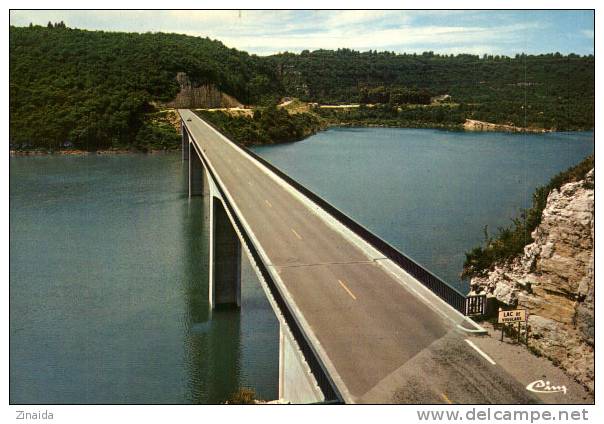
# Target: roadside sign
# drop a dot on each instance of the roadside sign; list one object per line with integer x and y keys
{"x": 515, "y": 315}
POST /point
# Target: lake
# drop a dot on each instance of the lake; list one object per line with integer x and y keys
{"x": 108, "y": 256}
{"x": 109, "y": 292}
{"x": 429, "y": 193}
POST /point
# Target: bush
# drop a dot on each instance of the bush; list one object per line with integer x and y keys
{"x": 267, "y": 126}
{"x": 510, "y": 242}
{"x": 155, "y": 135}
{"x": 243, "y": 396}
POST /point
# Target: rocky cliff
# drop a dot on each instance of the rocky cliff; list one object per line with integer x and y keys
{"x": 200, "y": 96}
{"x": 554, "y": 280}
{"x": 474, "y": 125}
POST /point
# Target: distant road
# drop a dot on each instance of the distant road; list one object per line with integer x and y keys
{"x": 385, "y": 341}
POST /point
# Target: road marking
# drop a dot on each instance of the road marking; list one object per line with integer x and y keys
{"x": 347, "y": 289}
{"x": 269, "y": 204}
{"x": 297, "y": 235}
{"x": 484, "y": 355}
{"x": 446, "y": 399}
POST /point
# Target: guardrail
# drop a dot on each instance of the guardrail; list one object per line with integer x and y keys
{"x": 476, "y": 305}
{"x": 447, "y": 293}
{"x": 435, "y": 284}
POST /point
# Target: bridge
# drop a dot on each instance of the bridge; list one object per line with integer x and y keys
{"x": 359, "y": 321}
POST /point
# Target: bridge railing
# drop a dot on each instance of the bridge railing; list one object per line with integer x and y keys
{"x": 452, "y": 296}
{"x": 476, "y": 305}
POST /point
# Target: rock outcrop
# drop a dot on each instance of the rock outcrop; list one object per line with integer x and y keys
{"x": 554, "y": 280}
{"x": 200, "y": 96}
{"x": 474, "y": 125}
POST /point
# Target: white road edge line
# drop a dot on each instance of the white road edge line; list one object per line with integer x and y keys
{"x": 484, "y": 355}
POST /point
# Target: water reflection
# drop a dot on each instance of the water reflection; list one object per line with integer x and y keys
{"x": 212, "y": 337}
{"x": 108, "y": 289}
{"x": 227, "y": 348}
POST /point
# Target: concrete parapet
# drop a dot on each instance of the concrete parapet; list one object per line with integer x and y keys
{"x": 296, "y": 382}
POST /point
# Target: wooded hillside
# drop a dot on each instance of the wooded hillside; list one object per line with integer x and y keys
{"x": 93, "y": 89}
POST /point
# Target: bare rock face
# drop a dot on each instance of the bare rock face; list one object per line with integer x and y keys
{"x": 554, "y": 280}
{"x": 202, "y": 96}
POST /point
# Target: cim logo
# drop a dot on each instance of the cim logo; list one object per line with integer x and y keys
{"x": 540, "y": 386}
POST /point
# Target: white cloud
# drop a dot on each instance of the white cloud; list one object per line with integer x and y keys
{"x": 335, "y": 19}
{"x": 407, "y": 38}
{"x": 589, "y": 33}
{"x": 267, "y": 32}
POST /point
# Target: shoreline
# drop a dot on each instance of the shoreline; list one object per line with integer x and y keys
{"x": 461, "y": 128}
{"x": 472, "y": 126}
{"x": 387, "y": 125}
{"x": 78, "y": 152}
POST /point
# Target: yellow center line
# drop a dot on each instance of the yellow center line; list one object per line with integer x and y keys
{"x": 269, "y": 204}
{"x": 297, "y": 235}
{"x": 446, "y": 399}
{"x": 347, "y": 289}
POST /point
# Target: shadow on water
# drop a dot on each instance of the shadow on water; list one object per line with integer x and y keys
{"x": 212, "y": 337}
{"x": 228, "y": 348}
{"x": 109, "y": 289}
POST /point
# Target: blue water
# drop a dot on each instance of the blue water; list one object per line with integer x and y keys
{"x": 108, "y": 289}
{"x": 427, "y": 192}
{"x": 109, "y": 259}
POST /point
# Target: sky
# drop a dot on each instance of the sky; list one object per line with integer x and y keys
{"x": 269, "y": 32}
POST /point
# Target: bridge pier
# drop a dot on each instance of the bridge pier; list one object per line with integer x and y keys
{"x": 196, "y": 172}
{"x": 225, "y": 258}
{"x": 296, "y": 382}
{"x": 184, "y": 141}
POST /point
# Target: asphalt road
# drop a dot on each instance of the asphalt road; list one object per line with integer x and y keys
{"x": 385, "y": 344}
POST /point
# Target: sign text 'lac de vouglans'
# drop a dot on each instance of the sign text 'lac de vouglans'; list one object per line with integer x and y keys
{"x": 516, "y": 315}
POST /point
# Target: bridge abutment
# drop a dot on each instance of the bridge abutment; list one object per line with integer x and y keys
{"x": 225, "y": 258}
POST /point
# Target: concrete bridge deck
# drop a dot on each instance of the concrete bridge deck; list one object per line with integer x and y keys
{"x": 381, "y": 336}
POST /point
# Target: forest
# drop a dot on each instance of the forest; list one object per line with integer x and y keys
{"x": 268, "y": 125}
{"x": 551, "y": 91}
{"x": 445, "y": 116}
{"x": 94, "y": 89}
